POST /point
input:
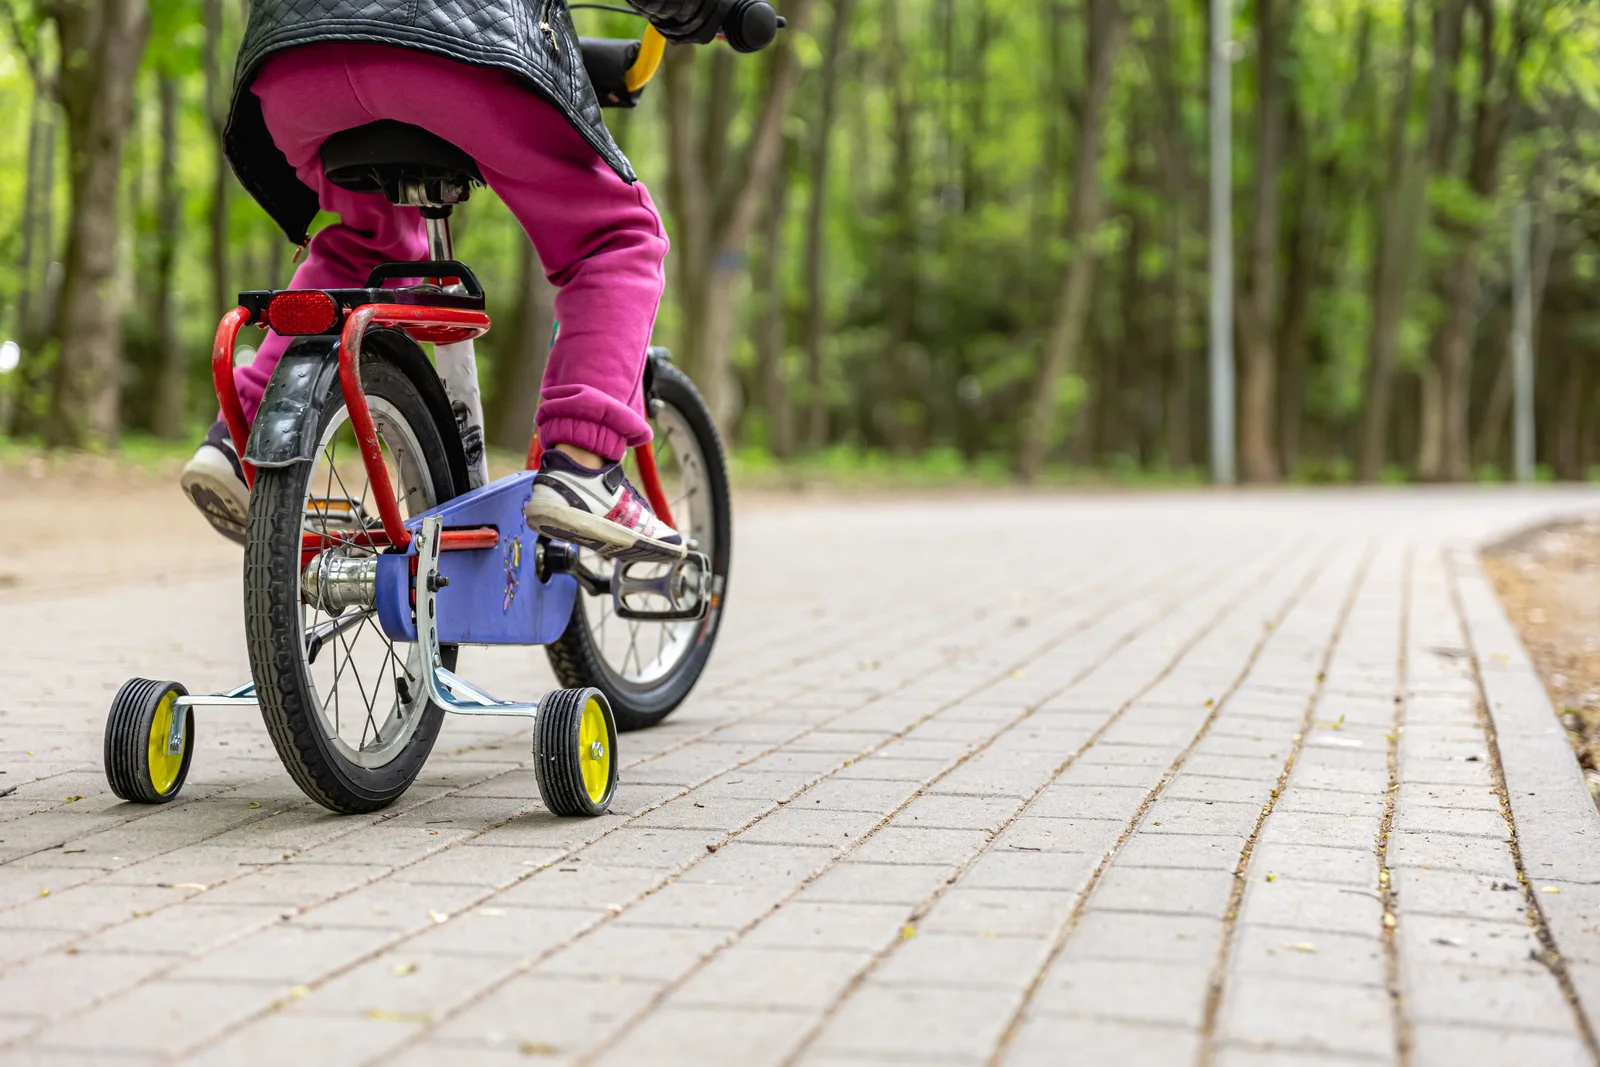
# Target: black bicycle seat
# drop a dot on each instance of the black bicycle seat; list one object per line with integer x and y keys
{"x": 406, "y": 163}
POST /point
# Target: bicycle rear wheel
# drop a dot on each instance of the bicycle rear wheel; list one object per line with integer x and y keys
{"x": 345, "y": 706}
{"x": 646, "y": 669}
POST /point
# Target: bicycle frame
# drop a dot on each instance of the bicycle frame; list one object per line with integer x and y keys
{"x": 429, "y": 324}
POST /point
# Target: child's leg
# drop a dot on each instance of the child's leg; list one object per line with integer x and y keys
{"x": 305, "y": 97}
{"x": 600, "y": 239}
{"x": 370, "y": 231}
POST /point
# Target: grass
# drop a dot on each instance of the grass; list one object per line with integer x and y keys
{"x": 841, "y": 468}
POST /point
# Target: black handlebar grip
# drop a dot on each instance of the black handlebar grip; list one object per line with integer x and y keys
{"x": 751, "y": 25}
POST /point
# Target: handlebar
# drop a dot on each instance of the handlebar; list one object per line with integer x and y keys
{"x": 749, "y": 26}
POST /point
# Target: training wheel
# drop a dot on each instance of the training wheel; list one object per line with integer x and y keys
{"x": 574, "y": 752}
{"x": 145, "y": 761}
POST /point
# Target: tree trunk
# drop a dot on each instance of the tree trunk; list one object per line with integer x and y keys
{"x": 101, "y": 45}
{"x": 772, "y": 325}
{"x": 900, "y": 275}
{"x": 170, "y": 414}
{"x": 816, "y": 224}
{"x": 1084, "y": 212}
{"x": 714, "y": 193}
{"x": 1401, "y": 215}
{"x": 216, "y": 115}
{"x": 1174, "y": 154}
{"x": 1499, "y": 93}
{"x": 519, "y": 367}
{"x": 1258, "y": 294}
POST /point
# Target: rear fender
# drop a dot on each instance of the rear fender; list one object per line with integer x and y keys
{"x": 286, "y": 429}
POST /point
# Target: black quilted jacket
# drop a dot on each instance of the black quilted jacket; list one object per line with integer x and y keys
{"x": 533, "y": 39}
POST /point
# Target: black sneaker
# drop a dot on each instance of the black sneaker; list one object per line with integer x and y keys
{"x": 214, "y": 481}
{"x": 598, "y": 509}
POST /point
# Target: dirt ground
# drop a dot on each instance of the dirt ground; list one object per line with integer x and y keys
{"x": 1549, "y": 581}
{"x": 75, "y": 524}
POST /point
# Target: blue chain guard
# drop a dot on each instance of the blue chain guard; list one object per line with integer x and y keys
{"x": 495, "y": 596}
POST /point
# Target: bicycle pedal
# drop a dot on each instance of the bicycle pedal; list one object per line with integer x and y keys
{"x": 684, "y": 585}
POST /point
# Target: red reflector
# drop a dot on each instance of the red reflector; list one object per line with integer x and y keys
{"x": 302, "y": 311}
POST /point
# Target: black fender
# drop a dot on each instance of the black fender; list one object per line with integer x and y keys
{"x": 655, "y": 355}
{"x": 307, "y": 380}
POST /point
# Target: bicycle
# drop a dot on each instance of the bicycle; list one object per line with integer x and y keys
{"x": 429, "y": 554}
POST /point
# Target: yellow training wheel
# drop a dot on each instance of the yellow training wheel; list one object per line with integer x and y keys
{"x": 149, "y": 741}
{"x": 574, "y": 752}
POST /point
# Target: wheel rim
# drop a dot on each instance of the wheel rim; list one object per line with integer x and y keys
{"x": 639, "y": 655}
{"x": 164, "y": 767}
{"x": 367, "y": 689}
{"x": 594, "y": 750}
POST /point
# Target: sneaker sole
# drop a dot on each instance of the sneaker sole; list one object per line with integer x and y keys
{"x": 561, "y": 522}
{"x": 212, "y": 490}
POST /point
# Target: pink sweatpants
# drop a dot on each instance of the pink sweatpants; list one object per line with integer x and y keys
{"x": 599, "y": 238}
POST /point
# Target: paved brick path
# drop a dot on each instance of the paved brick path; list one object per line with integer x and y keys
{"x": 1168, "y": 779}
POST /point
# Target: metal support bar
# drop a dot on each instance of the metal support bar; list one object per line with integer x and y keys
{"x": 242, "y": 697}
{"x": 443, "y": 684}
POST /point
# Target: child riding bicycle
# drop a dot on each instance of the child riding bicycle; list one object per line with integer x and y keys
{"x": 504, "y": 80}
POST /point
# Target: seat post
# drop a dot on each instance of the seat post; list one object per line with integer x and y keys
{"x": 440, "y": 244}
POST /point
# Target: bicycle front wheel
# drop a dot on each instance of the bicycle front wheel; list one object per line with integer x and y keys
{"x": 646, "y": 669}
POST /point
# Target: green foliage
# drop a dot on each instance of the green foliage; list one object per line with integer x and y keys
{"x": 944, "y": 225}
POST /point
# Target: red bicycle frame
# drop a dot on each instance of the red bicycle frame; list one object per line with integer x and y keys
{"x": 430, "y": 324}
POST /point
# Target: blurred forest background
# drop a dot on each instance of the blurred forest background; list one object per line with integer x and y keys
{"x": 973, "y": 233}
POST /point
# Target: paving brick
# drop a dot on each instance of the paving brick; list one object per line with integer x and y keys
{"x": 1163, "y": 891}
{"x": 857, "y": 882}
{"x": 919, "y": 1022}
{"x": 1309, "y": 1016}
{"x": 1484, "y": 1046}
{"x": 747, "y": 976}
{"x": 1521, "y": 996}
{"x": 1311, "y": 905}
{"x": 1041, "y": 1040}
{"x": 913, "y": 844}
{"x": 817, "y": 924}
{"x": 1126, "y": 990}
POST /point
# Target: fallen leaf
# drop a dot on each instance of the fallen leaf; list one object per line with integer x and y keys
{"x": 191, "y": 885}
{"x": 44, "y": 892}
{"x": 72, "y": 851}
{"x": 536, "y": 1048}
{"x": 1272, "y": 878}
{"x": 1301, "y": 946}
{"x": 384, "y": 1016}
{"x": 1550, "y": 889}
{"x": 255, "y": 803}
{"x": 296, "y": 992}
{"x": 1389, "y": 920}
{"x": 907, "y": 932}
{"x": 438, "y": 916}
{"x": 400, "y": 970}
{"x": 73, "y": 800}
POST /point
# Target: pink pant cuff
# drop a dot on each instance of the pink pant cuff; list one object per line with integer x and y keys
{"x": 603, "y": 441}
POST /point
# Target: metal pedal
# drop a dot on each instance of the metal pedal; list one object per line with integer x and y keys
{"x": 684, "y": 584}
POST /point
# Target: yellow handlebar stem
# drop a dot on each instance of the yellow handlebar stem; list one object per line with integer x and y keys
{"x": 652, "y": 47}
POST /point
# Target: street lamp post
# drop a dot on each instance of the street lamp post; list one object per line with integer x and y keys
{"x": 1221, "y": 344}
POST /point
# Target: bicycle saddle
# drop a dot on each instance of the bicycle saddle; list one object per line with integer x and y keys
{"x": 406, "y": 163}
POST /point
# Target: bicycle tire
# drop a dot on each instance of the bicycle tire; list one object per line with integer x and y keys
{"x": 575, "y": 657}
{"x": 272, "y": 576}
